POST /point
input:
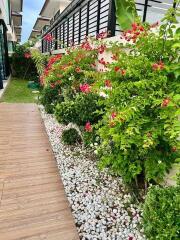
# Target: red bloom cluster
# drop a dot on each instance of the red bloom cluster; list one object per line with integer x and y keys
{"x": 85, "y": 88}
{"x": 103, "y": 62}
{"x": 133, "y": 33}
{"x": 114, "y": 57}
{"x": 108, "y": 83}
{"x": 101, "y": 49}
{"x": 27, "y": 55}
{"x": 165, "y": 102}
{"x": 48, "y": 37}
{"x": 102, "y": 35}
{"x": 158, "y": 66}
{"x": 118, "y": 69}
{"x": 53, "y": 85}
{"x": 52, "y": 60}
{"x": 86, "y": 45}
{"x": 88, "y": 127}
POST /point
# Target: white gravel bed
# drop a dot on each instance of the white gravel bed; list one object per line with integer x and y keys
{"x": 101, "y": 207}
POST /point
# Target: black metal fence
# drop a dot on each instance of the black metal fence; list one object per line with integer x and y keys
{"x": 90, "y": 17}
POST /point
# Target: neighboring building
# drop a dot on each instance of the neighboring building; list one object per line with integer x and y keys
{"x": 49, "y": 11}
{"x": 90, "y": 17}
{"x": 10, "y": 33}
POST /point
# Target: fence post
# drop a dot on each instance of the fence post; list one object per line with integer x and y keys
{"x": 145, "y": 10}
{"x": 111, "y": 19}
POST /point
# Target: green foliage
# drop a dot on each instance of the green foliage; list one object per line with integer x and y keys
{"x": 23, "y": 67}
{"x": 79, "y": 110}
{"x": 49, "y": 98}
{"x": 40, "y": 61}
{"x": 161, "y": 213}
{"x": 140, "y": 126}
{"x": 71, "y": 137}
{"x": 125, "y": 13}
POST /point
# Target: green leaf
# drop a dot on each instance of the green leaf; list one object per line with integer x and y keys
{"x": 125, "y": 13}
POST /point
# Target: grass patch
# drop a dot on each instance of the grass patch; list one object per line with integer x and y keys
{"x": 18, "y": 92}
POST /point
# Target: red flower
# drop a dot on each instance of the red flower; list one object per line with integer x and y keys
{"x": 27, "y": 55}
{"x": 108, "y": 83}
{"x": 102, "y": 61}
{"x": 78, "y": 69}
{"x": 101, "y": 35}
{"x": 52, "y": 85}
{"x": 48, "y": 37}
{"x": 85, "y": 88}
{"x": 123, "y": 72}
{"x": 165, "y": 102}
{"x": 41, "y": 79}
{"x": 158, "y": 66}
{"x": 101, "y": 49}
{"x": 116, "y": 69}
{"x": 114, "y": 57}
{"x": 155, "y": 24}
{"x": 113, "y": 115}
{"x": 130, "y": 238}
{"x": 88, "y": 127}
{"x": 86, "y": 45}
{"x": 174, "y": 149}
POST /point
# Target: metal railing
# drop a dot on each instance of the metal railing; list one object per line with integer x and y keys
{"x": 90, "y": 17}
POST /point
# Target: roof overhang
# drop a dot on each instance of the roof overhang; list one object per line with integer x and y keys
{"x": 40, "y": 23}
{"x": 16, "y": 5}
{"x": 34, "y": 34}
{"x": 51, "y": 7}
{"x": 17, "y": 19}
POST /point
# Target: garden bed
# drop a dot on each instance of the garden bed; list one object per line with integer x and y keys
{"x": 101, "y": 206}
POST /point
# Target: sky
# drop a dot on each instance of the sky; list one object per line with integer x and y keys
{"x": 31, "y": 10}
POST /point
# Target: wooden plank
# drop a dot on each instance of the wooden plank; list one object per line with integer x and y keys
{"x": 33, "y": 203}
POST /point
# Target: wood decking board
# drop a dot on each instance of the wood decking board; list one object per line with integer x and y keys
{"x": 33, "y": 204}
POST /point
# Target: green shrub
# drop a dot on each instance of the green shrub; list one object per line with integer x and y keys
{"x": 79, "y": 111}
{"x": 161, "y": 216}
{"x": 49, "y": 97}
{"x": 71, "y": 137}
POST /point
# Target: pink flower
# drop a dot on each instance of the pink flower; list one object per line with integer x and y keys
{"x": 27, "y": 55}
{"x": 85, "y": 88}
{"x": 86, "y": 45}
{"x": 102, "y": 35}
{"x": 113, "y": 115}
{"x": 158, "y": 66}
{"x": 48, "y": 37}
{"x": 88, "y": 127}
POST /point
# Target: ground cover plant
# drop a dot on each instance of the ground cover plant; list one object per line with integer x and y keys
{"x": 18, "y": 92}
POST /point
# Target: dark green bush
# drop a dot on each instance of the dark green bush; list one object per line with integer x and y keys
{"x": 49, "y": 98}
{"x": 161, "y": 216}
{"x": 71, "y": 137}
{"x": 79, "y": 111}
{"x": 23, "y": 66}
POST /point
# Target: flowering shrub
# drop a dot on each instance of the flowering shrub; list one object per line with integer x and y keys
{"x": 140, "y": 127}
{"x": 161, "y": 213}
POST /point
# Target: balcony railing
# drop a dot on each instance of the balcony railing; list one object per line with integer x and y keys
{"x": 90, "y": 17}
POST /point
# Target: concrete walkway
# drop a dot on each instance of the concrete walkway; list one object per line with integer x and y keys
{"x": 33, "y": 204}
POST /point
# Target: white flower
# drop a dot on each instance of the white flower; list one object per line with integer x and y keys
{"x": 159, "y": 162}
{"x": 96, "y": 152}
{"x": 103, "y": 94}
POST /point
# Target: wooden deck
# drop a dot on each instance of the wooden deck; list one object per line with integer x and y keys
{"x": 33, "y": 204}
